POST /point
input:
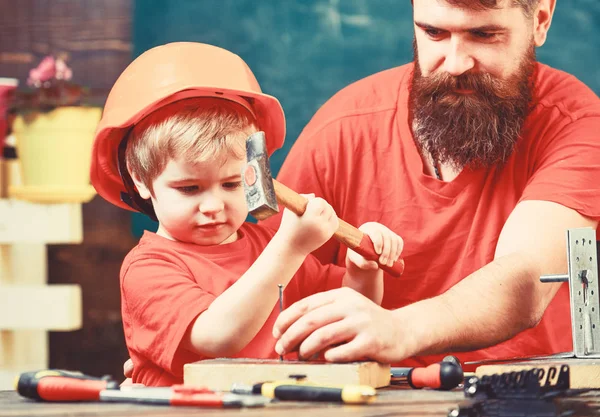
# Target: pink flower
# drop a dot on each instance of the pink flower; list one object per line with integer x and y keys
{"x": 52, "y": 86}
{"x": 63, "y": 72}
{"x": 44, "y": 72}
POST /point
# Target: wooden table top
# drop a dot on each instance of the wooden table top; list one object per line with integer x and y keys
{"x": 390, "y": 403}
{"x": 394, "y": 402}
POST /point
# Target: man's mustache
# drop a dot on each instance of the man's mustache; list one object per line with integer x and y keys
{"x": 484, "y": 85}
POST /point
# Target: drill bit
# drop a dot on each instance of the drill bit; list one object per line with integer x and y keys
{"x": 280, "y": 307}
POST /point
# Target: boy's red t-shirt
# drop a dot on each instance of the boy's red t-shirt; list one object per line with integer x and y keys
{"x": 358, "y": 153}
{"x": 165, "y": 285}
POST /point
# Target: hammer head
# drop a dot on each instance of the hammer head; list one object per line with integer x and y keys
{"x": 257, "y": 178}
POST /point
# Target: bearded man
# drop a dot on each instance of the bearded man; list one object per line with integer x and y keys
{"x": 480, "y": 158}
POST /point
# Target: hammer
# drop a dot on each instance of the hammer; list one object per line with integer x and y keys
{"x": 263, "y": 192}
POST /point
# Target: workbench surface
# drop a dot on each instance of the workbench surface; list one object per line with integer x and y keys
{"x": 395, "y": 402}
{"x": 390, "y": 403}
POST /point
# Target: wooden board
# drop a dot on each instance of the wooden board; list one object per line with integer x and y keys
{"x": 583, "y": 373}
{"x": 25, "y": 222}
{"x": 221, "y": 374}
{"x": 29, "y": 307}
{"x": 50, "y": 307}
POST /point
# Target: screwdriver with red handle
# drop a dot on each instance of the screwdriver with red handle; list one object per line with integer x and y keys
{"x": 67, "y": 386}
{"x": 444, "y": 375}
{"x": 60, "y": 385}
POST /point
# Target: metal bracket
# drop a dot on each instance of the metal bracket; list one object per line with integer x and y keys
{"x": 582, "y": 257}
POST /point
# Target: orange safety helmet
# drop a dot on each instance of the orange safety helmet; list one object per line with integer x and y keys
{"x": 158, "y": 77}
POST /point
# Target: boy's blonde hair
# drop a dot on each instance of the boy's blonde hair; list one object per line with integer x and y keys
{"x": 197, "y": 129}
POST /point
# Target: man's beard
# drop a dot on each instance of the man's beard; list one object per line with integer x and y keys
{"x": 478, "y": 129}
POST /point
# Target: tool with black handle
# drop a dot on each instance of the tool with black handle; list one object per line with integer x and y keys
{"x": 297, "y": 388}
{"x": 66, "y": 386}
{"x": 444, "y": 375}
{"x": 60, "y": 385}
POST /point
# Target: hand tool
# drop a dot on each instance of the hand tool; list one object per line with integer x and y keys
{"x": 263, "y": 192}
{"x": 529, "y": 393}
{"x": 444, "y": 375}
{"x": 298, "y": 389}
{"x": 182, "y": 395}
{"x": 60, "y": 385}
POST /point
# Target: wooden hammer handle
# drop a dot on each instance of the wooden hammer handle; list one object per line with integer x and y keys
{"x": 346, "y": 233}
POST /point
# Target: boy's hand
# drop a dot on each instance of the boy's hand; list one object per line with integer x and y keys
{"x": 387, "y": 244}
{"x": 311, "y": 230}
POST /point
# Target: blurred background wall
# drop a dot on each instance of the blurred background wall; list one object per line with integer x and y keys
{"x": 301, "y": 52}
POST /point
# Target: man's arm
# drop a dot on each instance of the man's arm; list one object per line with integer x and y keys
{"x": 506, "y": 296}
{"x": 489, "y": 306}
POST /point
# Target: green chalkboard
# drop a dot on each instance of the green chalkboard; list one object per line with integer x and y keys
{"x": 303, "y": 51}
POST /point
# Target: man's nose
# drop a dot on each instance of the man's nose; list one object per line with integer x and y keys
{"x": 211, "y": 204}
{"x": 458, "y": 60}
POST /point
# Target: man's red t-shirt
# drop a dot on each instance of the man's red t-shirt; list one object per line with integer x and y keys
{"x": 358, "y": 153}
{"x": 165, "y": 285}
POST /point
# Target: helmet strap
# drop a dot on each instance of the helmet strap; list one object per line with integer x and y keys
{"x": 131, "y": 197}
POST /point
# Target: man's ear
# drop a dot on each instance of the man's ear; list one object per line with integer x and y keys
{"x": 542, "y": 18}
{"x": 142, "y": 190}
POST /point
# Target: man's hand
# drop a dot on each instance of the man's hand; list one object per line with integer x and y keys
{"x": 388, "y": 245}
{"x": 343, "y": 323}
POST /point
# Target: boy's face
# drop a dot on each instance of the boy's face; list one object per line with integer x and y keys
{"x": 200, "y": 203}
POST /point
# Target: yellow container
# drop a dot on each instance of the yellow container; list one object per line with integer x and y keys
{"x": 54, "y": 150}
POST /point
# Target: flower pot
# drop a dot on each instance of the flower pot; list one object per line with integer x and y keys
{"x": 54, "y": 149}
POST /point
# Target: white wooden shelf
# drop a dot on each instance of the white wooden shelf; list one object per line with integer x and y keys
{"x": 29, "y": 308}
{"x": 24, "y": 222}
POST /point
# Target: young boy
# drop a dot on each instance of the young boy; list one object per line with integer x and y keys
{"x": 171, "y": 144}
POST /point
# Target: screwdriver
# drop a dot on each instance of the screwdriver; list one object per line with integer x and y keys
{"x": 60, "y": 385}
{"x": 297, "y": 389}
{"x": 444, "y": 375}
{"x": 182, "y": 395}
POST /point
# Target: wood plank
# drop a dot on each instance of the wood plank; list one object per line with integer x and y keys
{"x": 23, "y": 351}
{"x": 52, "y": 307}
{"x": 22, "y": 221}
{"x": 583, "y": 373}
{"x": 25, "y": 264}
{"x": 221, "y": 374}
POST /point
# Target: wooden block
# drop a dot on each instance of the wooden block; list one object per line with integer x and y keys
{"x": 21, "y": 221}
{"x": 221, "y": 374}
{"x": 52, "y": 307}
{"x": 583, "y": 373}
